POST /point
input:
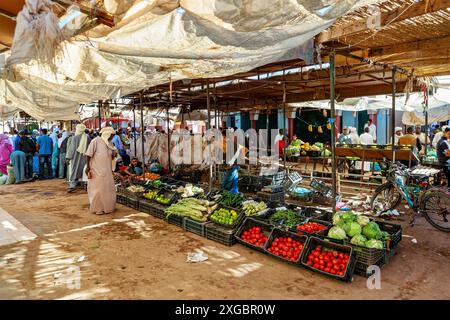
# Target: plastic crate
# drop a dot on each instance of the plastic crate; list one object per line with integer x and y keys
{"x": 276, "y": 233}
{"x": 176, "y": 220}
{"x": 323, "y": 232}
{"x": 195, "y": 226}
{"x": 132, "y": 195}
{"x": 278, "y": 197}
{"x": 248, "y": 223}
{"x": 361, "y": 269}
{"x": 133, "y": 203}
{"x": 169, "y": 194}
{"x": 158, "y": 211}
{"x": 365, "y": 257}
{"x": 313, "y": 242}
{"x": 146, "y": 205}
{"x": 395, "y": 232}
{"x": 315, "y": 213}
{"x": 120, "y": 190}
{"x": 237, "y": 222}
{"x": 321, "y": 187}
{"x": 220, "y": 235}
{"x": 121, "y": 199}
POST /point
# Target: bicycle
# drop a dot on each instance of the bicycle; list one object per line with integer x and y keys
{"x": 432, "y": 203}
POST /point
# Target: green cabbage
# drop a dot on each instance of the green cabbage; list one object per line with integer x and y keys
{"x": 374, "y": 244}
{"x": 359, "y": 240}
{"x": 352, "y": 229}
{"x": 337, "y": 233}
{"x": 337, "y": 218}
{"x": 362, "y": 220}
{"x": 372, "y": 231}
{"x": 349, "y": 217}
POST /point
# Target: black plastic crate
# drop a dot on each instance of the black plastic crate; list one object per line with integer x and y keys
{"x": 121, "y": 190}
{"x": 158, "y": 211}
{"x": 237, "y": 222}
{"x": 133, "y": 203}
{"x": 365, "y": 257}
{"x": 146, "y": 205}
{"x": 196, "y": 227}
{"x": 361, "y": 269}
{"x": 169, "y": 194}
{"x": 277, "y": 233}
{"x": 313, "y": 242}
{"x": 315, "y": 213}
{"x": 221, "y": 235}
{"x": 395, "y": 232}
{"x": 176, "y": 220}
{"x": 132, "y": 195}
{"x": 323, "y": 232}
{"x": 277, "y": 197}
{"x": 121, "y": 199}
{"x": 249, "y": 223}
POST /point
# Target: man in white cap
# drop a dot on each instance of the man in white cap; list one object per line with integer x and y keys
{"x": 398, "y": 134}
{"x": 101, "y": 155}
{"x": 75, "y": 154}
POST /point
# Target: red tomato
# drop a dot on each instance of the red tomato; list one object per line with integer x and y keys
{"x": 333, "y": 271}
{"x": 316, "y": 266}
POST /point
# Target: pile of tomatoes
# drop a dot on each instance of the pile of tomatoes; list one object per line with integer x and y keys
{"x": 311, "y": 227}
{"x": 286, "y": 248}
{"x": 330, "y": 261}
{"x": 254, "y": 236}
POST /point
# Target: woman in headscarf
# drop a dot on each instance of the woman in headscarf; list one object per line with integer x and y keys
{"x": 101, "y": 155}
{"x": 5, "y": 151}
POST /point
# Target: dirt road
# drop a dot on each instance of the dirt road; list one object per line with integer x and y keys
{"x": 128, "y": 255}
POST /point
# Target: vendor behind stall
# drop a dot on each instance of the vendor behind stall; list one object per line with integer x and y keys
{"x": 135, "y": 168}
{"x": 231, "y": 175}
{"x": 296, "y": 142}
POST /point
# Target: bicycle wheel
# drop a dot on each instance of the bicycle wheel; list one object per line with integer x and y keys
{"x": 435, "y": 206}
{"x": 385, "y": 198}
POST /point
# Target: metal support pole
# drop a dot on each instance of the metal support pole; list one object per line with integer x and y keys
{"x": 332, "y": 122}
{"x": 208, "y": 106}
{"x": 134, "y": 130}
{"x": 100, "y": 102}
{"x": 427, "y": 129}
{"x": 284, "y": 125}
{"x": 394, "y": 89}
{"x": 142, "y": 130}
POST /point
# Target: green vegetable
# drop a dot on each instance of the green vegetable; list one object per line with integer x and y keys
{"x": 352, "y": 229}
{"x": 372, "y": 231}
{"x": 287, "y": 218}
{"x": 359, "y": 240}
{"x": 349, "y": 217}
{"x": 337, "y": 218}
{"x": 337, "y": 233}
{"x": 233, "y": 200}
{"x": 374, "y": 244}
{"x": 362, "y": 220}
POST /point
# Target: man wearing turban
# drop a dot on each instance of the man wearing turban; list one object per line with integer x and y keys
{"x": 75, "y": 154}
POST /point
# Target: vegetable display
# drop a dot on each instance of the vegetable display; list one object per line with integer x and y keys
{"x": 161, "y": 198}
{"x": 192, "y": 208}
{"x": 252, "y": 208}
{"x": 233, "y": 200}
{"x": 286, "y": 217}
{"x": 329, "y": 261}
{"x": 189, "y": 191}
{"x": 254, "y": 236}
{"x": 149, "y": 176}
{"x": 151, "y": 194}
{"x": 311, "y": 227}
{"x": 286, "y": 248}
{"x": 136, "y": 189}
{"x": 224, "y": 216}
{"x": 359, "y": 229}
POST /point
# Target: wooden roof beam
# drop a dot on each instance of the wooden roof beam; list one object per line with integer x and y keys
{"x": 407, "y": 11}
{"x": 421, "y": 45}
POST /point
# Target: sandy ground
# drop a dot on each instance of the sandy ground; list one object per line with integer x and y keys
{"x": 130, "y": 255}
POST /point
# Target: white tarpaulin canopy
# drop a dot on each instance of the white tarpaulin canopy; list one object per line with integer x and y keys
{"x": 171, "y": 39}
